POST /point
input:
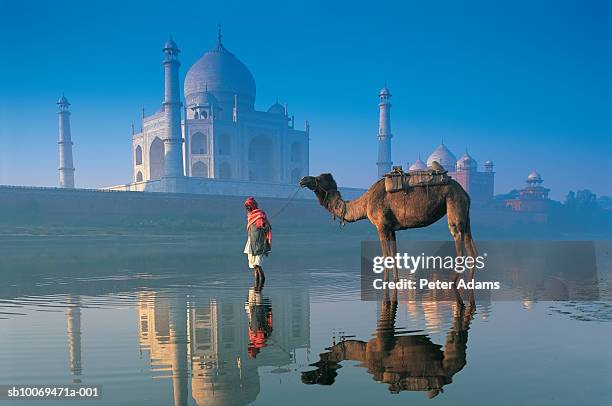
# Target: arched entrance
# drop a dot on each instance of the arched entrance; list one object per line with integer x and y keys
{"x": 198, "y": 144}
{"x": 156, "y": 159}
{"x": 199, "y": 169}
{"x": 261, "y": 159}
{"x": 225, "y": 171}
{"x": 225, "y": 144}
{"x": 296, "y": 152}
{"x": 138, "y": 157}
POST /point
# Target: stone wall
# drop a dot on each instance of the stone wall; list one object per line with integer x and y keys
{"x": 55, "y": 206}
{"x": 226, "y": 187}
{"x": 166, "y": 212}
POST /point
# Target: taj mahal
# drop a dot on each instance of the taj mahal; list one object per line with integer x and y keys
{"x": 216, "y": 141}
{"x": 212, "y": 140}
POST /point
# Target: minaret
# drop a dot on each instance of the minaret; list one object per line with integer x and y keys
{"x": 173, "y": 149}
{"x": 73, "y": 319}
{"x": 235, "y": 109}
{"x": 66, "y": 167}
{"x": 384, "y": 132}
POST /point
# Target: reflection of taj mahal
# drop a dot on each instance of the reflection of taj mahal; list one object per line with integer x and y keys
{"x": 204, "y": 346}
{"x": 218, "y": 133}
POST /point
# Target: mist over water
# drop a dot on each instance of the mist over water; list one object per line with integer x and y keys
{"x": 161, "y": 319}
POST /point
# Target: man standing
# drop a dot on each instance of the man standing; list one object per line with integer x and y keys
{"x": 259, "y": 238}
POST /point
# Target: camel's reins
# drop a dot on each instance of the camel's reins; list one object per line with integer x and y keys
{"x": 289, "y": 201}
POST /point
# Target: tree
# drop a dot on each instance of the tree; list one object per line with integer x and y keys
{"x": 581, "y": 200}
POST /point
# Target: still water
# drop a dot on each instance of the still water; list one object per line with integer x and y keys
{"x": 150, "y": 331}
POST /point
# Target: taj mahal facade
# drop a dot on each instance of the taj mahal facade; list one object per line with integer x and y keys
{"x": 216, "y": 141}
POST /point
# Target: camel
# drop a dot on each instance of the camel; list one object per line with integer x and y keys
{"x": 419, "y": 206}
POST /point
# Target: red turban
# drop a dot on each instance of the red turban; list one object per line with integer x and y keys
{"x": 250, "y": 203}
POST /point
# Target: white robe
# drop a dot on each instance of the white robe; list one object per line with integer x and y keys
{"x": 253, "y": 259}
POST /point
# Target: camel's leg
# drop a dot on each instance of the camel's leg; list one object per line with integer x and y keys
{"x": 463, "y": 316}
{"x": 458, "y": 211}
{"x": 458, "y": 314}
{"x": 469, "y": 242}
{"x": 471, "y": 249}
{"x": 388, "y": 246}
{"x": 458, "y": 237}
{"x": 393, "y": 253}
{"x": 384, "y": 247}
{"x": 469, "y": 315}
{"x": 456, "y": 226}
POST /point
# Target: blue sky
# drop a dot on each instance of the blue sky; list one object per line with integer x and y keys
{"x": 524, "y": 83}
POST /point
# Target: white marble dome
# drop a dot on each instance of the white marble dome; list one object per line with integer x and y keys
{"x": 204, "y": 99}
{"x": 444, "y": 157}
{"x": 418, "y": 165}
{"x": 534, "y": 176}
{"x": 467, "y": 163}
{"x": 222, "y": 74}
{"x": 277, "y": 108}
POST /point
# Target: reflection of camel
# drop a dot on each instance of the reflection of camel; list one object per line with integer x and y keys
{"x": 418, "y": 206}
{"x": 405, "y": 362}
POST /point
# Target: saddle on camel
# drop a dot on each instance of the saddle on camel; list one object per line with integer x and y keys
{"x": 397, "y": 180}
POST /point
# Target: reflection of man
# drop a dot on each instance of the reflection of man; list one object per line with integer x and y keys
{"x": 405, "y": 362}
{"x": 259, "y": 238}
{"x": 259, "y": 313}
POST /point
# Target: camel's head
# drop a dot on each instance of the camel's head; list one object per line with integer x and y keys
{"x": 324, "y": 182}
{"x": 325, "y": 374}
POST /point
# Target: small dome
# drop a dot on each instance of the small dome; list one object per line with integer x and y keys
{"x": 170, "y": 44}
{"x": 204, "y": 99}
{"x": 534, "y": 176}
{"x": 418, "y": 165}
{"x": 444, "y": 157}
{"x": 384, "y": 91}
{"x": 488, "y": 162}
{"x": 466, "y": 163}
{"x": 277, "y": 108}
{"x": 63, "y": 100}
